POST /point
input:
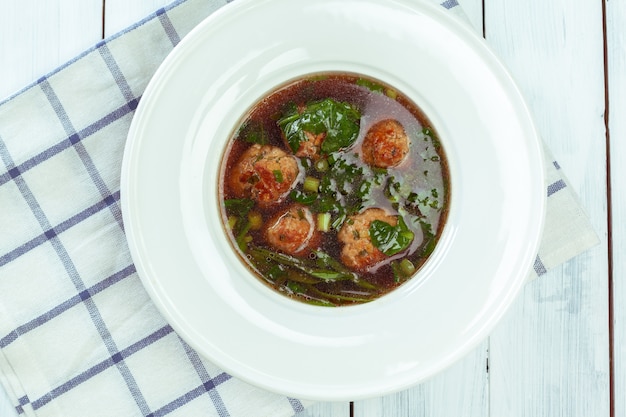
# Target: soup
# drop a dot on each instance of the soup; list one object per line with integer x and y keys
{"x": 334, "y": 189}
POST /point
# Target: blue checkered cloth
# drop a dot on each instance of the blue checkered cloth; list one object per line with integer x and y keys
{"x": 78, "y": 334}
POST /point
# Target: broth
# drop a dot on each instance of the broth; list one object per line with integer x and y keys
{"x": 334, "y": 189}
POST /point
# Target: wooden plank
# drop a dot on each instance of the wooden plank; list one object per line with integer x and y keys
{"x": 120, "y": 14}
{"x": 36, "y": 37}
{"x": 616, "y": 49}
{"x": 322, "y": 409}
{"x": 461, "y": 390}
{"x": 549, "y": 356}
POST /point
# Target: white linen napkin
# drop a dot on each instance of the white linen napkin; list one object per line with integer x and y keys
{"x": 78, "y": 334}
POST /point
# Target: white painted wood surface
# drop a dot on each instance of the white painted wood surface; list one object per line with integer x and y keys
{"x": 120, "y": 14}
{"x": 37, "y": 36}
{"x": 549, "y": 357}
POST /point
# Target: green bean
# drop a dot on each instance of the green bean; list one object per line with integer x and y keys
{"x": 301, "y": 274}
{"x": 316, "y": 302}
{"x": 297, "y": 276}
{"x": 303, "y": 291}
{"x": 338, "y": 297}
{"x": 327, "y": 260}
{"x": 326, "y": 275}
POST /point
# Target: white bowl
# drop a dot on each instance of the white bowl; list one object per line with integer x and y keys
{"x": 171, "y": 214}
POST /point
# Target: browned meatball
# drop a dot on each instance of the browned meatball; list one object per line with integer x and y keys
{"x": 312, "y": 146}
{"x": 386, "y": 144}
{"x": 293, "y": 231}
{"x": 264, "y": 173}
{"x": 358, "y": 251}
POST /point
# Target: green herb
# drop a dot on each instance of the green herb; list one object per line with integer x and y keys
{"x": 302, "y": 198}
{"x": 343, "y": 189}
{"x": 370, "y": 85}
{"x": 306, "y": 163}
{"x": 340, "y": 122}
{"x": 430, "y": 241}
{"x": 431, "y": 135}
{"x": 241, "y": 236}
{"x": 253, "y": 132}
{"x": 238, "y": 207}
{"x": 278, "y": 175}
{"x": 395, "y": 269}
{"x": 390, "y": 239}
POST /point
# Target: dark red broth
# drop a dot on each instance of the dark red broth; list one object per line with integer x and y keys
{"x": 391, "y": 216}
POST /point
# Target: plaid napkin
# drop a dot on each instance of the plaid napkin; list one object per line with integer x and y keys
{"x": 78, "y": 334}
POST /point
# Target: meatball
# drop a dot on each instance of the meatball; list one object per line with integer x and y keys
{"x": 293, "y": 231}
{"x": 358, "y": 252}
{"x": 386, "y": 144}
{"x": 264, "y": 173}
{"x": 311, "y": 147}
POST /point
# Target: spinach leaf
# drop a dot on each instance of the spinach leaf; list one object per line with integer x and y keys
{"x": 390, "y": 239}
{"x": 340, "y": 122}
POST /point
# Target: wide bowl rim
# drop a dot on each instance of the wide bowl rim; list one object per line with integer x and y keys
{"x": 137, "y": 240}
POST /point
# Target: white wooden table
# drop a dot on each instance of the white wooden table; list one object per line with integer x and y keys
{"x": 561, "y": 350}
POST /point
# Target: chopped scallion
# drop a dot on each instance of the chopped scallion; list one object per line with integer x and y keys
{"x": 321, "y": 165}
{"x": 255, "y": 219}
{"x": 311, "y": 184}
{"x": 278, "y": 175}
{"x": 392, "y": 94}
{"x": 323, "y": 222}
